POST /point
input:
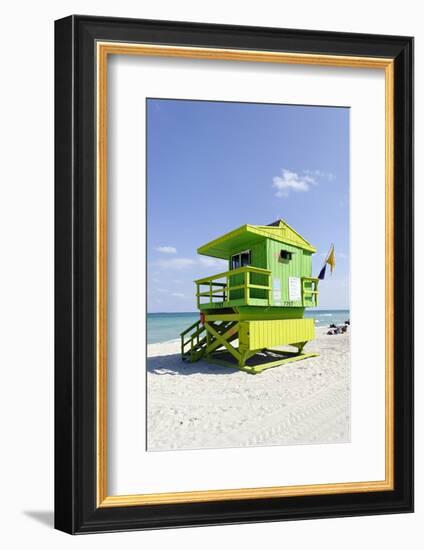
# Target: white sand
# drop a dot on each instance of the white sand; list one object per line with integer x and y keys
{"x": 201, "y": 405}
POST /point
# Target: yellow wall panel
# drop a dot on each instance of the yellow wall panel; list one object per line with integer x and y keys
{"x": 266, "y": 334}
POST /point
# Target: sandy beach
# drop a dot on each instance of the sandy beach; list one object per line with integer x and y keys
{"x": 201, "y": 405}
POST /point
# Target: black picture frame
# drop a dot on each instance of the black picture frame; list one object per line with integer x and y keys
{"x": 76, "y": 510}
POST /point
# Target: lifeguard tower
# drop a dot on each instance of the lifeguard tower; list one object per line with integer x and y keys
{"x": 258, "y": 303}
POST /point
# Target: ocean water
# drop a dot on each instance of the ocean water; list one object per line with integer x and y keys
{"x": 162, "y": 327}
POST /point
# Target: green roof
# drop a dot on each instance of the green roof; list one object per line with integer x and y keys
{"x": 248, "y": 235}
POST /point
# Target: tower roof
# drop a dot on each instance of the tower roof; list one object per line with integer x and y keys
{"x": 248, "y": 235}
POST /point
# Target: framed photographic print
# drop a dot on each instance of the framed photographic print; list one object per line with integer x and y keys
{"x": 234, "y": 256}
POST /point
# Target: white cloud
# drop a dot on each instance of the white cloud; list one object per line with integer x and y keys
{"x": 167, "y": 249}
{"x": 291, "y": 181}
{"x": 211, "y": 262}
{"x": 320, "y": 174}
{"x": 186, "y": 263}
{"x": 174, "y": 263}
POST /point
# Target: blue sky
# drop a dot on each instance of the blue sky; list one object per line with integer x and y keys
{"x": 213, "y": 166}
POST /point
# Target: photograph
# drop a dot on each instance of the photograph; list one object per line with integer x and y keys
{"x": 248, "y": 274}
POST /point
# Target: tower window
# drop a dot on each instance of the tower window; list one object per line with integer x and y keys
{"x": 240, "y": 260}
{"x": 286, "y": 255}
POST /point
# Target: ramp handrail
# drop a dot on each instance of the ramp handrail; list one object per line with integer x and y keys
{"x": 193, "y": 340}
{"x": 190, "y": 328}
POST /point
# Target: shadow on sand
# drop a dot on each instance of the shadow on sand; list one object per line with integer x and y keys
{"x": 173, "y": 364}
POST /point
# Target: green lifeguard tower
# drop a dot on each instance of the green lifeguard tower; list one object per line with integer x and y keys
{"x": 258, "y": 304}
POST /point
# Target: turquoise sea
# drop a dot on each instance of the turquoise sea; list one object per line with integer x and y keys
{"x": 162, "y": 327}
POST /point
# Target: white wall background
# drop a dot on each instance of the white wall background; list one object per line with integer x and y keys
{"x": 26, "y": 272}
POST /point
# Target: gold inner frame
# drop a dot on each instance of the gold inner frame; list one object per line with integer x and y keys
{"x": 104, "y": 49}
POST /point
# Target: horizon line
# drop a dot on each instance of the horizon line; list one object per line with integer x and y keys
{"x": 198, "y": 312}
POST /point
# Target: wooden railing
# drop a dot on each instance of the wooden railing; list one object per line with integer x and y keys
{"x": 310, "y": 291}
{"x": 224, "y": 293}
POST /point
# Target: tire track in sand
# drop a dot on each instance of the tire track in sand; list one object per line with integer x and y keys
{"x": 315, "y": 419}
